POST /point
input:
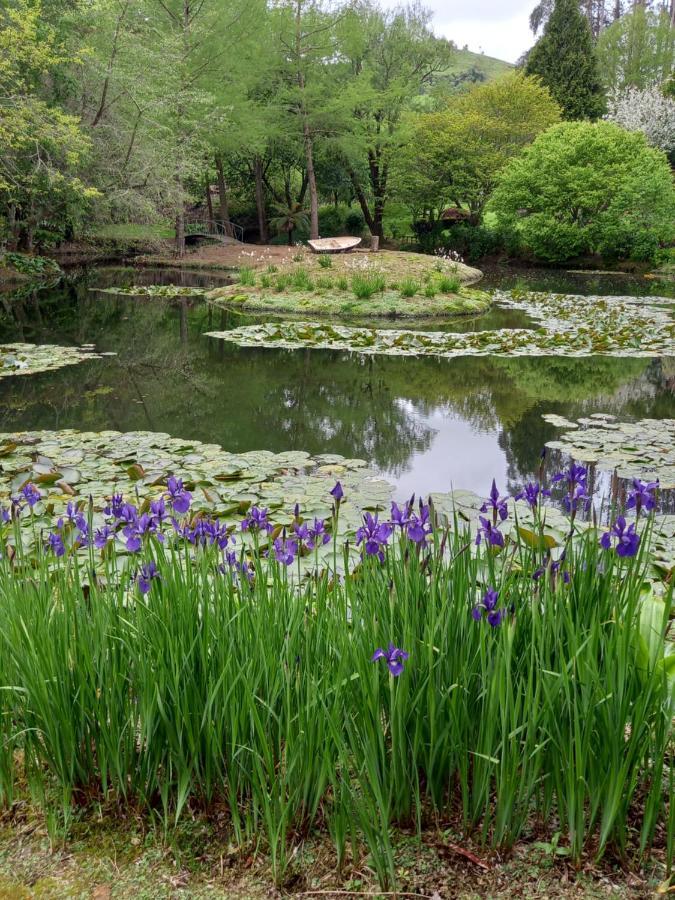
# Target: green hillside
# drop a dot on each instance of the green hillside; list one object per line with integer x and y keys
{"x": 466, "y": 69}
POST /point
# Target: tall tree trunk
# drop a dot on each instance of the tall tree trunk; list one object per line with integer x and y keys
{"x": 290, "y": 237}
{"x": 672, "y": 13}
{"x": 209, "y": 203}
{"x": 13, "y": 239}
{"x": 306, "y": 131}
{"x": 311, "y": 180}
{"x": 617, "y": 10}
{"x": 223, "y": 205}
{"x": 180, "y": 229}
{"x": 260, "y": 200}
{"x": 363, "y": 201}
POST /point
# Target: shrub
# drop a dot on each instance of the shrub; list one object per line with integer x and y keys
{"x": 430, "y": 290}
{"x": 354, "y": 222}
{"x": 283, "y": 281}
{"x": 342, "y": 283}
{"x": 585, "y": 188}
{"x": 364, "y": 286}
{"x": 408, "y": 287}
{"x": 246, "y": 276}
{"x": 331, "y": 222}
{"x": 325, "y": 261}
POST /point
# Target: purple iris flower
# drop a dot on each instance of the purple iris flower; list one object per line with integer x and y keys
{"x": 136, "y": 531}
{"x": 5, "y": 516}
{"x": 531, "y": 493}
{"x": 419, "y": 526}
{"x": 393, "y": 656}
{"x": 625, "y": 538}
{"x": 400, "y": 516}
{"x": 56, "y": 544}
{"x": 642, "y": 496}
{"x": 488, "y": 605}
{"x": 495, "y": 503}
{"x": 158, "y": 510}
{"x": 257, "y": 520}
{"x": 285, "y": 550}
{"x": 314, "y": 535}
{"x": 102, "y": 536}
{"x": 374, "y": 535}
{"x": 30, "y": 494}
{"x": 337, "y": 492}
{"x": 574, "y": 477}
{"x": 490, "y": 533}
{"x": 572, "y": 499}
{"x": 145, "y": 576}
{"x": 114, "y": 508}
{"x": 178, "y": 497}
{"x": 127, "y": 514}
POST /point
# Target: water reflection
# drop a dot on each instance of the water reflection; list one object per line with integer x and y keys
{"x": 427, "y": 423}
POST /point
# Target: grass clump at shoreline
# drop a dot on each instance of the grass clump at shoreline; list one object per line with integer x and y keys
{"x": 449, "y": 674}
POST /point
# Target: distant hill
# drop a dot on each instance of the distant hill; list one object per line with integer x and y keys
{"x": 465, "y": 70}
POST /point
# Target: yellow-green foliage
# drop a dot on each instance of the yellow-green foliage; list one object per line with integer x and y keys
{"x": 469, "y": 142}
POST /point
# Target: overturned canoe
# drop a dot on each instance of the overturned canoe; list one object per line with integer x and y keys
{"x": 334, "y": 244}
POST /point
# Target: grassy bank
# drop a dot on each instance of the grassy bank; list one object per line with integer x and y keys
{"x": 467, "y": 684}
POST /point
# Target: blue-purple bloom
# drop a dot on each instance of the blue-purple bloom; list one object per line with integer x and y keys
{"x": 30, "y": 494}
{"x": 532, "y": 493}
{"x": 490, "y": 533}
{"x": 314, "y": 535}
{"x": 642, "y": 496}
{"x": 56, "y": 544}
{"x": 488, "y": 605}
{"x": 102, "y": 536}
{"x": 178, "y": 497}
{"x": 574, "y": 477}
{"x": 337, "y": 492}
{"x": 400, "y": 516}
{"x": 145, "y": 576}
{"x": 394, "y": 657}
{"x": 625, "y": 538}
{"x": 498, "y": 505}
{"x": 285, "y": 550}
{"x": 5, "y": 515}
{"x": 419, "y": 526}
{"x": 374, "y": 535}
{"x": 257, "y": 520}
{"x": 115, "y": 506}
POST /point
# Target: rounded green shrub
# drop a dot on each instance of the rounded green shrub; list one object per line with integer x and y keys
{"x": 588, "y": 188}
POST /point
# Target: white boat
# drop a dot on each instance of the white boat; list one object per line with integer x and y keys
{"x": 334, "y": 244}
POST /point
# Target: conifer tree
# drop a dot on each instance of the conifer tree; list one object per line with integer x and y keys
{"x": 564, "y": 59}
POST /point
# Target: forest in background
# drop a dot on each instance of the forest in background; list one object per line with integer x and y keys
{"x": 272, "y": 115}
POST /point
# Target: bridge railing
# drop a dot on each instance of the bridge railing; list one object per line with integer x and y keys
{"x": 230, "y": 230}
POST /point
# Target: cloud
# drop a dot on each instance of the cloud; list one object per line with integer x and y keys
{"x": 497, "y": 27}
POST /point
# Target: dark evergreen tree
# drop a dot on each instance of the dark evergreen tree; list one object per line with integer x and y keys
{"x": 564, "y": 59}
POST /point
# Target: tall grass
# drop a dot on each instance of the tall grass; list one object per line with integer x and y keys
{"x": 364, "y": 286}
{"x": 261, "y": 694}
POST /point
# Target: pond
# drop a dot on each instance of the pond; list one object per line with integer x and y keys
{"x": 425, "y": 423}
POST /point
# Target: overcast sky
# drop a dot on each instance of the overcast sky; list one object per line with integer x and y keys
{"x": 497, "y": 27}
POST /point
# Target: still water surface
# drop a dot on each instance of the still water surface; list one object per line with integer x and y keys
{"x": 426, "y": 424}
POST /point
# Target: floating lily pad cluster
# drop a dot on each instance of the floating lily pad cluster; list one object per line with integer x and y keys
{"x": 570, "y": 326}
{"x": 27, "y": 359}
{"x": 644, "y": 449}
{"x": 153, "y": 290}
{"x": 70, "y": 465}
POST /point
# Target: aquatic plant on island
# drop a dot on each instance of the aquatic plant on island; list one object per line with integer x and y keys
{"x": 180, "y": 663}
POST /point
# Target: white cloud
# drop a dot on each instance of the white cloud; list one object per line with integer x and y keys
{"x": 497, "y": 27}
